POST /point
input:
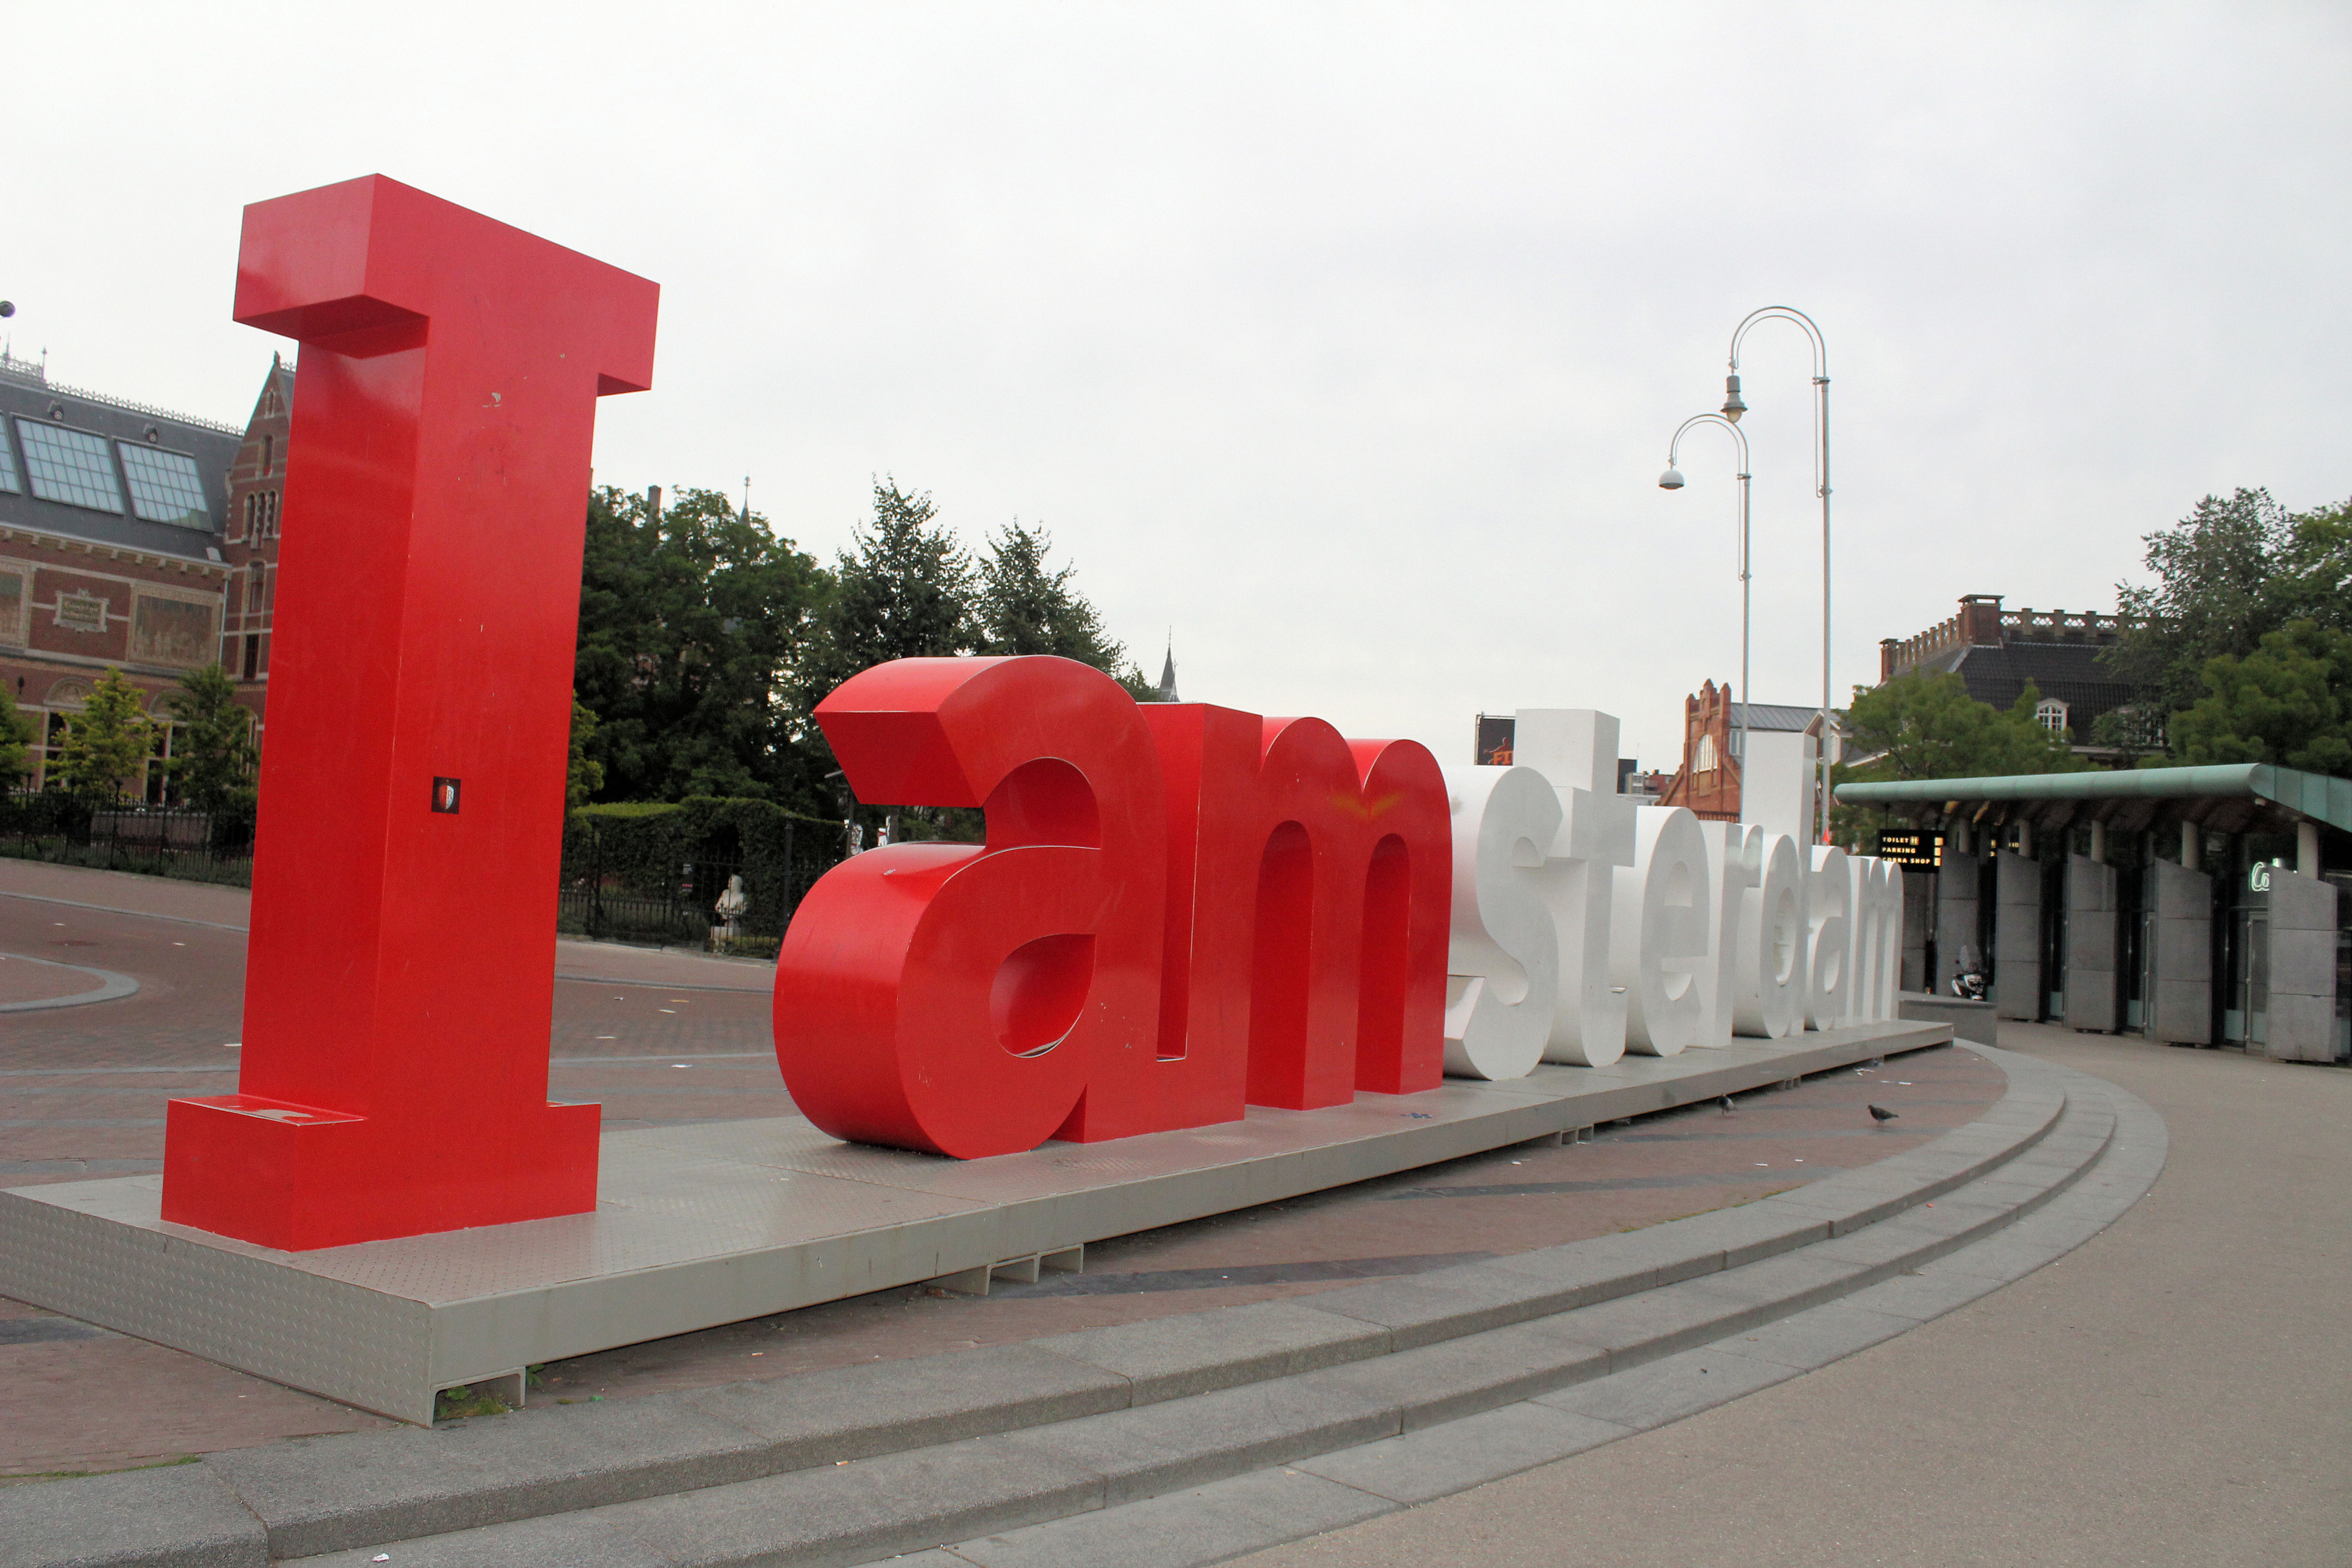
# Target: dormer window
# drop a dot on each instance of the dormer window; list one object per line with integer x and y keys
{"x": 2050, "y": 714}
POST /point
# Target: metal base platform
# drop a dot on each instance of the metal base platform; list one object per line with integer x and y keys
{"x": 714, "y": 1224}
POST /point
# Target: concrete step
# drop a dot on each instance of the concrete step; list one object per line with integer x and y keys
{"x": 1251, "y": 1512}
{"x": 842, "y": 1466}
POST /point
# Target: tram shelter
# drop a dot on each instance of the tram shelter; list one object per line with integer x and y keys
{"x": 2203, "y": 906}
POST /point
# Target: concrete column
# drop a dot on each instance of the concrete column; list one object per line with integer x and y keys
{"x": 2025, "y": 839}
{"x": 2303, "y": 967}
{"x": 2017, "y": 937}
{"x": 1956, "y": 917}
{"x": 1962, "y": 839}
{"x": 1918, "y": 915}
{"x": 2181, "y": 988}
{"x": 2099, "y": 843}
{"x": 2092, "y": 996}
{"x": 2193, "y": 846}
{"x": 2307, "y": 848}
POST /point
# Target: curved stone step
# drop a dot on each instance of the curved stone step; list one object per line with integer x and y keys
{"x": 836, "y": 1467}
{"x": 1265, "y": 1506}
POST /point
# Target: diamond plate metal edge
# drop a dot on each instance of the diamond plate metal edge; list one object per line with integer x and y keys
{"x": 243, "y": 1309}
{"x": 385, "y": 1324}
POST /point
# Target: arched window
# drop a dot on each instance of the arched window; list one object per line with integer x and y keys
{"x": 1703, "y": 755}
{"x": 2050, "y": 714}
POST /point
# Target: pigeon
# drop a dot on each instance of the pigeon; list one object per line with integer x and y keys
{"x": 1881, "y": 1115}
{"x": 1728, "y": 1104}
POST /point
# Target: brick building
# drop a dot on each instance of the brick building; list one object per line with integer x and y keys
{"x": 131, "y": 538}
{"x": 1708, "y": 782}
{"x": 257, "y": 482}
{"x": 1995, "y": 652}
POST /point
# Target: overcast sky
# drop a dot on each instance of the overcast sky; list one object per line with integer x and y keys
{"x": 1345, "y": 339}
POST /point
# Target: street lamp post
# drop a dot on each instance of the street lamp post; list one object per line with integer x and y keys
{"x": 1672, "y": 479}
{"x": 1733, "y": 408}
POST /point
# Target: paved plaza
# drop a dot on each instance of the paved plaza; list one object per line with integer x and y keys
{"x": 665, "y": 1039}
{"x": 2169, "y": 1391}
{"x": 2178, "y": 1391}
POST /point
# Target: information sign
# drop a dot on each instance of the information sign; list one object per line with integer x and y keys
{"x": 1913, "y": 848}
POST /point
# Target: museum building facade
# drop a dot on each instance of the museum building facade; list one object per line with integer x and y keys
{"x": 132, "y": 538}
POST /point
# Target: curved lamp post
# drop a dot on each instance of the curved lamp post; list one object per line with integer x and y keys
{"x": 1672, "y": 479}
{"x": 1732, "y": 409}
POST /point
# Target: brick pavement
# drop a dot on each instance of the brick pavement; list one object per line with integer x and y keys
{"x": 665, "y": 1038}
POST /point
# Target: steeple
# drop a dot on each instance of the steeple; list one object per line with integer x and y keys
{"x": 1167, "y": 673}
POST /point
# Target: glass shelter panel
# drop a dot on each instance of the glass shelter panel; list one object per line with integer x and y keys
{"x": 2053, "y": 934}
{"x": 2343, "y": 880}
{"x": 2246, "y": 997}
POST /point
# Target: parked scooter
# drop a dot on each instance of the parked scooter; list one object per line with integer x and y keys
{"x": 1969, "y": 978}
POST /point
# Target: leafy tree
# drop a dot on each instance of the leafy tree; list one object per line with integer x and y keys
{"x": 15, "y": 734}
{"x": 213, "y": 756}
{"x": 2130, "y": 733}
{"x": 1024, "y": 608}
{"x": 107, "y": 742}
{"x": 1928, "y": 727}
{"x": 704, "y": 640}
{"x": 694, "y": 648}
{"x": 907, "y": 591}
{"x": 2289, "y": 702}
{"x": 584, "y": 775}
{"x": 2231, "y": 573}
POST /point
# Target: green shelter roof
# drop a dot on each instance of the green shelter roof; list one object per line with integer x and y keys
{"x": 2235, "y": 797}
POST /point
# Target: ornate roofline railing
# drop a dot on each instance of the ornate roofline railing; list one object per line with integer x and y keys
{"x": 37, "y": 373}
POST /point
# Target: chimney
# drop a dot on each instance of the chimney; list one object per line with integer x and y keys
{"x": 1887, "y": 647}
{"x": 1981, "y": 620}
{"x": 653, "y": 503}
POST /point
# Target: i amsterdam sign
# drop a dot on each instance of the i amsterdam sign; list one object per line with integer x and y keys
{"x": 1179, "y": 910}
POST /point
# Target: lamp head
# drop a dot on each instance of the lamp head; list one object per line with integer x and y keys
{"x": 1732, "y": 406}
{"x": 1672, "y": 479}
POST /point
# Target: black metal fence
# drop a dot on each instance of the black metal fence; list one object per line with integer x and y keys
{"x": 632, "y": 886}
{"x": 663, "y": 883}
{"x": 170, "y": 841}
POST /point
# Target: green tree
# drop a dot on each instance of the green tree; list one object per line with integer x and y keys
{"x": 2288, "y": 702}
{"x": 2130, "y": 733}
{"x": 694, "y": 649}
{"x": 107, "y": 742}
{"x": 584, "y": 775}
{"x": 2231, "y": 573}
{"x": 212, "y": 756}
{"x": 1022, "y": 607}
{"x": 15, "y": 734}
{"x": 1928, "y": 727}
{"x": 907, "y": 591}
